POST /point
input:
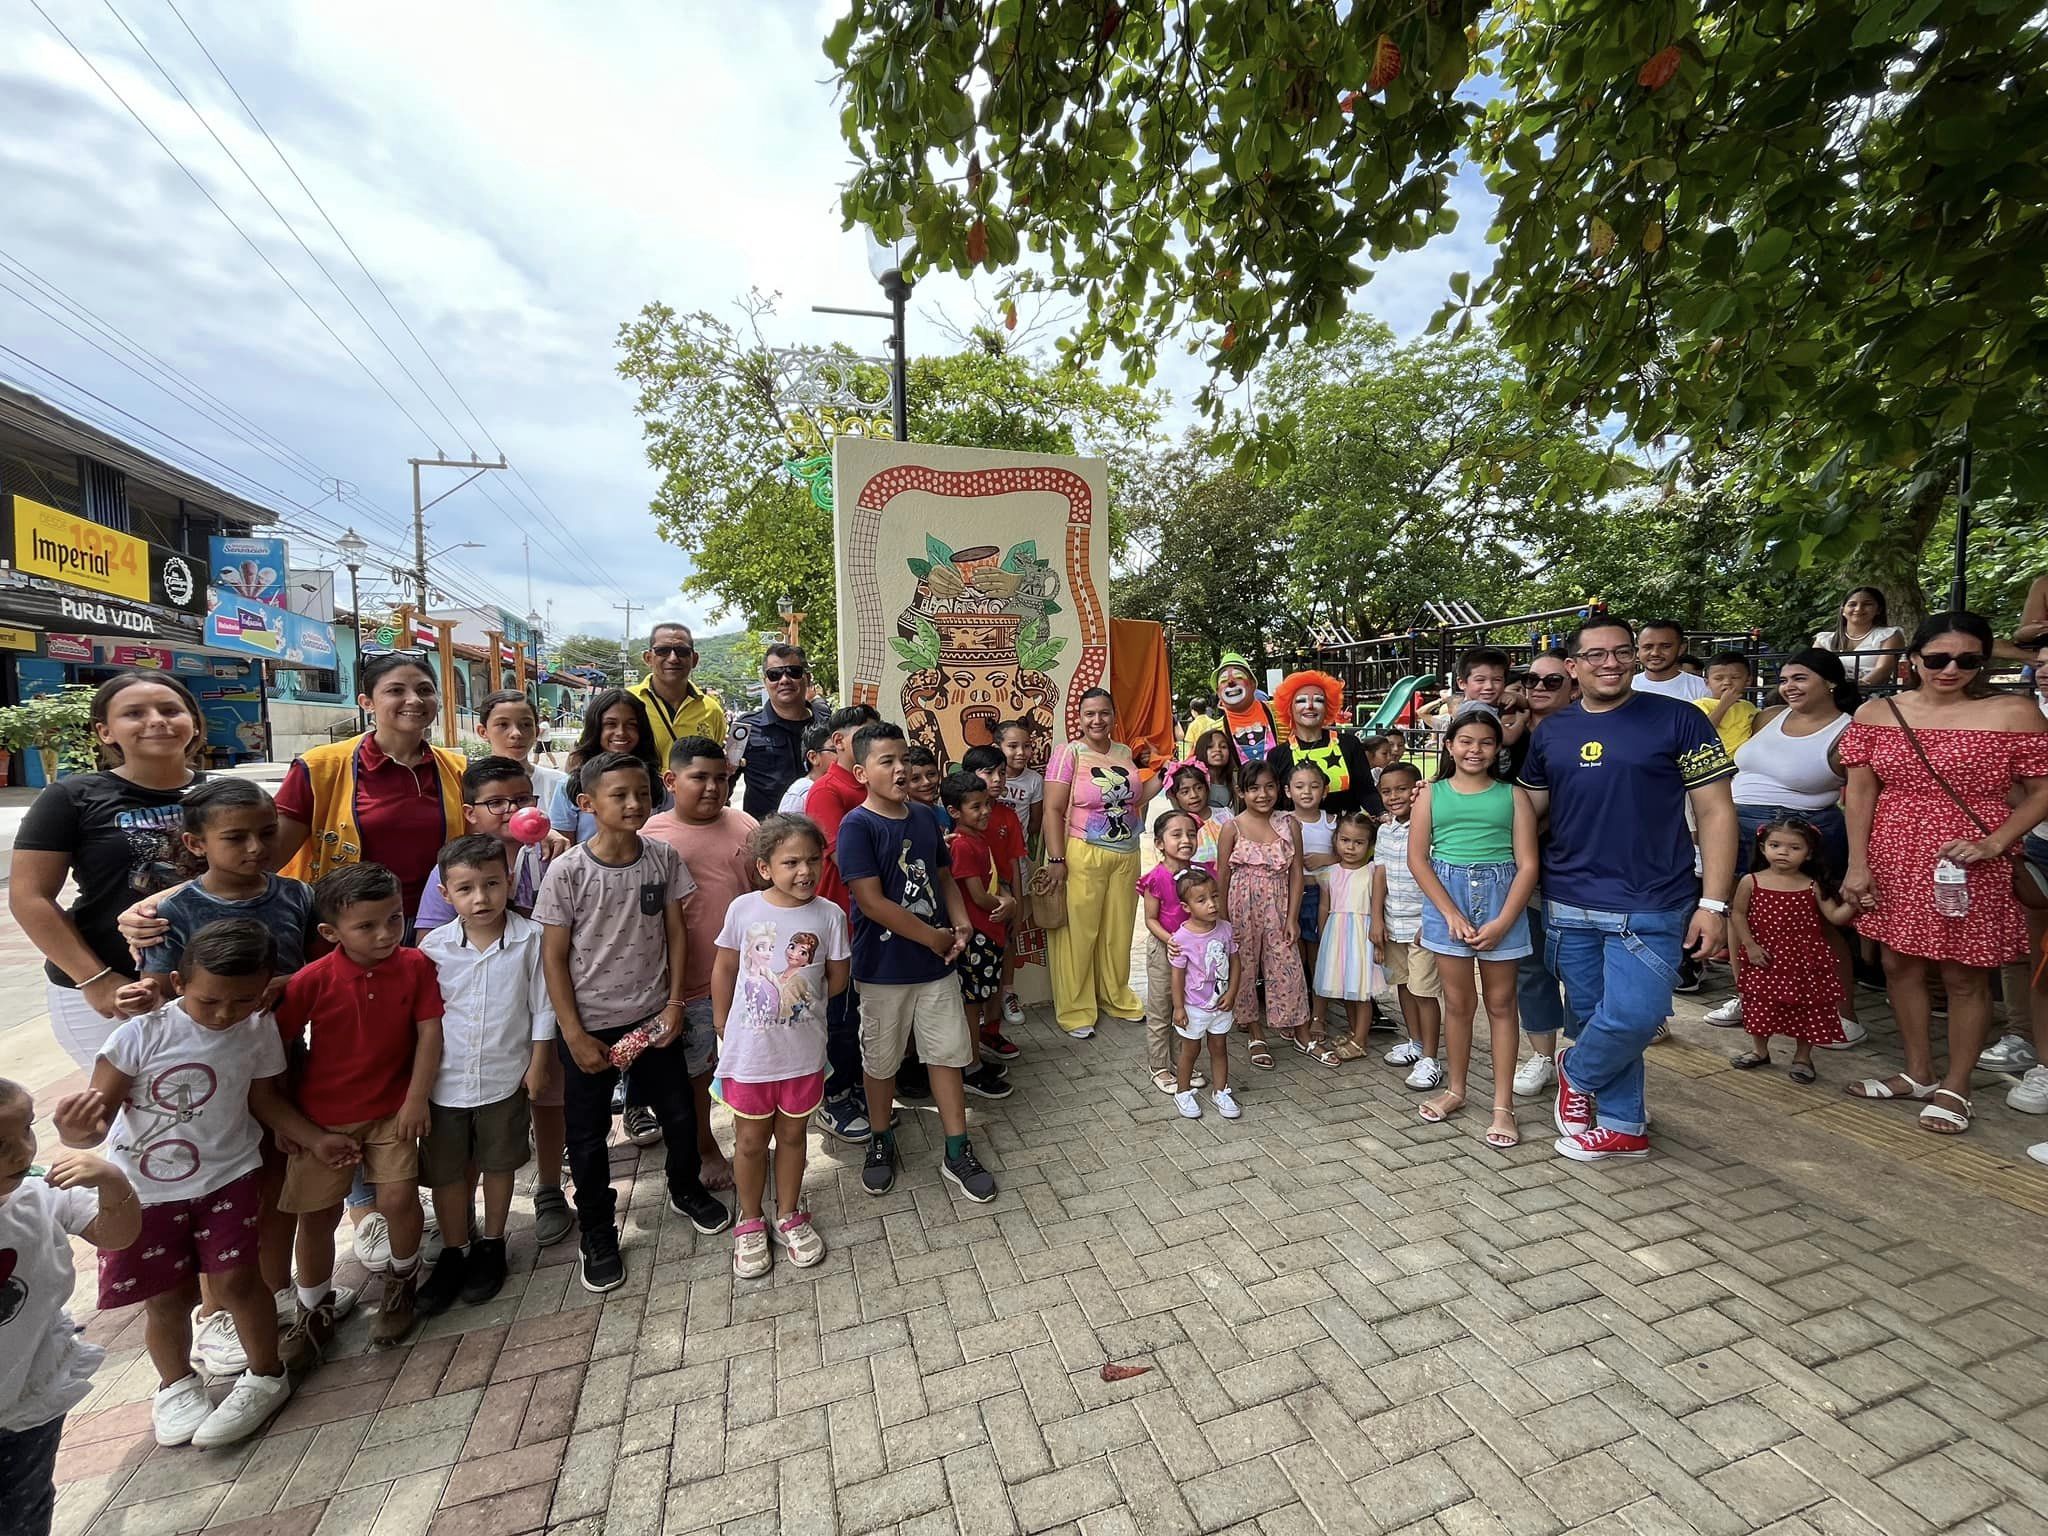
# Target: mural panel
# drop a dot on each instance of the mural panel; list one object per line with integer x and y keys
{"x": 971, "y": 589}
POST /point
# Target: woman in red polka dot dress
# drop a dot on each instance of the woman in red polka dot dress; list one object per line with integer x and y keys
{"x": 1785, "y": 965}
{"x": 1915, "y": 761}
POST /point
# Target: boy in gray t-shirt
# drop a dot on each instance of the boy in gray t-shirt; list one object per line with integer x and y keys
{"x": 613, "y": 950}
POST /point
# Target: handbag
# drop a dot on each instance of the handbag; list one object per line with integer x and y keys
{"x": 2029, "y": 885}
{"x": 1048, "y": 900}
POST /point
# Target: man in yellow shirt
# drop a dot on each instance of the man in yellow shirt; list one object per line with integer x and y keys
{"x": 1727, "y": 707}
{"x": 676, "y": 707}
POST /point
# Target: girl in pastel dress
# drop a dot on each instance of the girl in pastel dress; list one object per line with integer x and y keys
{"x": 1346, "y": 969}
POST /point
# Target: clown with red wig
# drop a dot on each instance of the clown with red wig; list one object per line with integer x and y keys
{"x": 1311, "y": 704}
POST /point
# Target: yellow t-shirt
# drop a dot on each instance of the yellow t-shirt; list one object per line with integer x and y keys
{"x": 1737, "y": 726}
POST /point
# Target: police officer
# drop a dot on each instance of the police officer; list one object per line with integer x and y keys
{"x": 767, "y": 745}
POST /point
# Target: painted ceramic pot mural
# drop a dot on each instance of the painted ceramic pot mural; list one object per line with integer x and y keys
{"x": 976, "y": 642}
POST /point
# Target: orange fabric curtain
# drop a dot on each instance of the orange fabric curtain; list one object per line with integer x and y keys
{"x": 1141, "y": 684}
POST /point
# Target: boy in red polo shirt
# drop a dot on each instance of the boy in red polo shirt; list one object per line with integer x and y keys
{"x": 374, "y": 1009}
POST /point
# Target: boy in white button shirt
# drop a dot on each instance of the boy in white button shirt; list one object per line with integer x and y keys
{"x": 497, "y": 1033}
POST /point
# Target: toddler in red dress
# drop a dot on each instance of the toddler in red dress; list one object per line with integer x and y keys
{"x": 1785, "y": 964}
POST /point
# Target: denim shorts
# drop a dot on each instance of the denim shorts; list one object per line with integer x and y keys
{"x": 2036, "y": 850}
{"x": 1311, "y": 923}
{"x": 1478, "y": 891}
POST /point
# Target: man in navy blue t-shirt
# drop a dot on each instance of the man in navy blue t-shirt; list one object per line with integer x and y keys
{"x": 909, "y": 926}
{"x": 1616, "y": 771}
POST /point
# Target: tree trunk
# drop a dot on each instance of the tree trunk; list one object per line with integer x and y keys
{"x": 1891, "y": 562}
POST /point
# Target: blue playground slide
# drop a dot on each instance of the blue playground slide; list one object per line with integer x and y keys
{"x": 1390, "y": 709}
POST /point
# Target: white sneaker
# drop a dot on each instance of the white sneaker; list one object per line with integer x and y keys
{"x": 1085, "y": 1032}
{"x": 2013, "y": 1053}
{"x": 2039, "y": 1151}
{"x": 1428, "y": 1073}
{"x": 1226, "y": 1106}
{"x": 1190, "y": 1108}
{"x": 1535, "y": 1075}
{"x": 177, "y": 1411}
{"x": 244, "y": 1410}
{"x": 286, "y": 1300}
{"x": 1853, "y": 1033}
{"x": 431, "y": 1244}
{"x": 1406, "y": 1054}
{"x": 216, "y": 1347}
{"x": 1727, "y": 1016}
{"x": 2030, "y": 1094}
{"x": 1013, "y": 1009}
{"x": 373, "y": 1243}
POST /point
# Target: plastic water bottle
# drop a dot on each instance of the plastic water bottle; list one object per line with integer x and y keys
{"x": 1951, "y": 889}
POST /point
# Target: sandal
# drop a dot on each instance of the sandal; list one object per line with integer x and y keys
{"x": 1942, "y": 1120}
{"x": 1881, "y": 1088}
{"x": 1165, "y": 1081}
{"x": 1441, "y": 1108}
{"x": 1802, "y": 1072}
{"x": 1748, "y": 1059}
{"x": 1317, "y": 1052}
{"x": 1261, "y": 1054}
{"x": 1348, "y": 1049}
{"x": 1503, "y": 1139}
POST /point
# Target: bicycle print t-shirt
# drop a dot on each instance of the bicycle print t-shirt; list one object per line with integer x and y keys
{"x": 186, "y": 1129}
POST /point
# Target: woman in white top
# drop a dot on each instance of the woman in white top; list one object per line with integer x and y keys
{"x": 1866, "y": 629}
{"x": 1789, "y": 767}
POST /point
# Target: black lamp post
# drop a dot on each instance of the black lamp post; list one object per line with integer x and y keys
{"x": 886, "y": 262}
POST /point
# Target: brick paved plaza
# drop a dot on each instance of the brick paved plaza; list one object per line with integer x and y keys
{"x": 1800, "y": 1315}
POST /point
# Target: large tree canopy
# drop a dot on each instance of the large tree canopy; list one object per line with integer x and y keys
{"x": 1811, "y": 229}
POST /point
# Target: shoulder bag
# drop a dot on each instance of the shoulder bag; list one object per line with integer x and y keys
{"x": 2029, "y": 885}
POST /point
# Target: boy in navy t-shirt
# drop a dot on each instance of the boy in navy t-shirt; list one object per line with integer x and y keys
{"x": 909, "y": 926}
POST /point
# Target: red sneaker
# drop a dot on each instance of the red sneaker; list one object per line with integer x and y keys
{"x": 1571, "y": 1110}
{"x": 1598, "y": 1144}
{"x": 995, "y": 1049}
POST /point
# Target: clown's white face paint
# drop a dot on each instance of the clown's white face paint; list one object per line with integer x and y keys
{"x": 1234, "y": 687}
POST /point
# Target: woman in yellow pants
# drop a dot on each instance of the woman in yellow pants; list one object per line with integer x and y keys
{"x": 1095, "y": 796}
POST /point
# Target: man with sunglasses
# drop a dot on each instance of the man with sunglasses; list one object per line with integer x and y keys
{"x": 1615, "y": 772}
{"x": 677, "y": 708}
{"x": 767, "y": 744}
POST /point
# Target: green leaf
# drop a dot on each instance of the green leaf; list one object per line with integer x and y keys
{"x": 1768, "y": 250}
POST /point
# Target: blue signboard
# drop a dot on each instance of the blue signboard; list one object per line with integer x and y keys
{"x": 254, "y": 628}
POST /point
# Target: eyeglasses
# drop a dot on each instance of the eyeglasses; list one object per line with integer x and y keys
{"x": 672, "y": 652}
{"x": 505, "y": 805}
{"x": 1548, "y": 683}
{"x": 1619, "y": 653}
{"x": 783, "y": 674}
{"x": 1941, "y": 661}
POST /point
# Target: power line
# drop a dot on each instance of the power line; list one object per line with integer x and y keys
{"x": 538, "y": 503}
{"x": 289, "y": 227}
{"x": 261, "y": 254}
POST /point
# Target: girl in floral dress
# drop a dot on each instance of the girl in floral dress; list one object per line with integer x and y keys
{"x": 1786, "y": 969}
{"x": 1930, "y": 771}
{"x": 1258, "y": 864}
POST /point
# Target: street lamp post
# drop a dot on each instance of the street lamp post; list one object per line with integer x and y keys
{"x": 792, "y": 618}
{"x": 886, "y": 262}
{"x": 533, "y": 642}
{"x": 353, "y": 546}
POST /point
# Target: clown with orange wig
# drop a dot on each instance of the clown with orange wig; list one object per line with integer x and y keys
{"x": 1311, "y": 703}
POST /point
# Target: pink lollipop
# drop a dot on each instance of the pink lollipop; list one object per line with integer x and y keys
{"x": 529, "y": 825}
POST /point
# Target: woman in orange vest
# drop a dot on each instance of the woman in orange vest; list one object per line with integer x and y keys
{"x": 386, "y": 797}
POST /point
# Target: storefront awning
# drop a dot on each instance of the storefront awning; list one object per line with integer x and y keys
{"x": 232, "y": 626}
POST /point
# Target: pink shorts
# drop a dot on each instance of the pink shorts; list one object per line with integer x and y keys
{"x": 184, "y": 1238}
{"x": 792, "y": 1096}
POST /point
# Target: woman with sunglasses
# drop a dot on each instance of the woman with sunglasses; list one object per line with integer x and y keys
{"x": 1930, "y": 772}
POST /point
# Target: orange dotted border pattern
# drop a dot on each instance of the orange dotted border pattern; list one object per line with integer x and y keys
{"x": 870, "y": 660}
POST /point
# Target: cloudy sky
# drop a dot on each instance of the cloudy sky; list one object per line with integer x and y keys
{"x": 519, "y": 177}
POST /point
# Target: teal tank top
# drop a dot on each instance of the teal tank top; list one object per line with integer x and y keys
{"x": 1472, "y": 829}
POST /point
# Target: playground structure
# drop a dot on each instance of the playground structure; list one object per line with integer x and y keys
{"x": 1404, "y": 669}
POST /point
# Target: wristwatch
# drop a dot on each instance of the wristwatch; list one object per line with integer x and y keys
{"x": 1708, "y": 904}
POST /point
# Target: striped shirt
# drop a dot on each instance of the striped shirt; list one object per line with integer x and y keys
{"x": 1404, "y": 896}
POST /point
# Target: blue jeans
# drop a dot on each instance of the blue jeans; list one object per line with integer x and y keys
{"x": 842, "y": 1046}
{"x": 28, "y": 1461}
{"x": 1542, "y": 1006}
{"x": 1617, "y": 969}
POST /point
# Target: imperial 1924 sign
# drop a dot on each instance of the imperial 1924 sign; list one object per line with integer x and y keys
{"x": 46, "y": 542}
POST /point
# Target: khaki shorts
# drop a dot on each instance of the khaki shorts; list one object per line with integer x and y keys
{"x": 1410, "y": 965}
{"x": 491, "y": 1136}
{"x": 388, "y": 1158}
{"x": 930, "y": 1009}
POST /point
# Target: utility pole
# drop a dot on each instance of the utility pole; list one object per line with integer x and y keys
{"x": 625, "y": 645}
{"x": 419, "y": 525}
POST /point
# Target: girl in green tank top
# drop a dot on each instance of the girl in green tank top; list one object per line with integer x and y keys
{"x": 1472, "y": 849}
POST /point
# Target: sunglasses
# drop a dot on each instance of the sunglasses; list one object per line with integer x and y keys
{"x": 1941, "y": 661}
{"x": 672, "y": 652}
{"x": 783, "y": 674}
{"x": 1548, "y": 684}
